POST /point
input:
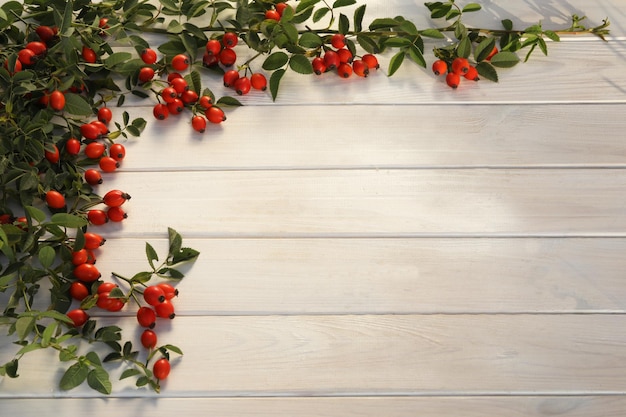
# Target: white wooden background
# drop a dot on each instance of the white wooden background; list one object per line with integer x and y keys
{"x": 388, "y": 246}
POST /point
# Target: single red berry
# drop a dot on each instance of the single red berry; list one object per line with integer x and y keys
{"x": 331, "y": 59}
{"x": 154, "y": 295}
{"x": 90, "y": 131}
{"x": 319, "y": 65}
{"x": 160, "y": 111}
{"x": 229, "y": 40}
{"x": 91, "y": 257}
{"x": 87, "y": 272}
{"x": 338, "y": 40}
{"x": 89, "y": 55}
{"x": 213, "y": 47}
{"x": 471, "y": 74}
{"x": 344, "y": 70}
{"x": 108, "y": 164}
{"x": 78, "y": 316}
{"x": 205, "y": 102}
{"x": 117, "y": 151}
{"x": 57, "y": 100}
{"x": 106, "y": 287}
{"x": 55, "y": 200}
{"x": 149, "y": 339}
{"x": 189, "y": 97}
{"x": 242, "y": 85}
{"x": 27, "y": 57}
{"x": 272, "y": 14}
{"x": 97, "y": 217}
{"x": 94, "y": 150}
{"x": 345, "y": 56}
{"x": 460, "y": 65}
{"x": 161, "y": 368}
{"x": 104, "y": 301}
{"x": 165, "y": 310}
{"x": 145, "y": 74}
{"x": 53, "y": 155}
{"x": 72, "y": 146}
{"x": 146, "y": 317}
{"x": 176, "y": 106}
{"x": 45, "y": 33}
{"x": 148, "y": 56}
{"x": 258, "y": 81}
{"x": 453, "y": 79}
{"x": 169, "y": 94}
{"x": 105, "y": 115}
{"x": 79, "y": 291}
{"x": 180, "y": 62}
{"x": 360, "y": 68}
{"x": 93, "y": 240}
{"x": 116, "y": 214}
{"x": 440, "y": 67}
{"x": 169, "y": 290}
{"x": 115, "y": 304}
{"x": 280, "y": 7}
{"x": 210, "y": 60}
{"x": 228, "y": 57}
{"x": 230, "y": 77}
{"x": 215, "y": 115}
{"x": 93, "y": 177}
{"x": 371, "y": 61}
{"x": 17, "y": 67}
{"x": 39, "y": 48}
{"x": 180, "y": 85}
{"x": 79, "y": 257}
{"x": 198, "y": 123}
{"x": 115, "y": 198}
{"x": 103, "y": 23}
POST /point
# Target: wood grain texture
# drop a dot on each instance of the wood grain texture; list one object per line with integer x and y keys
{"x": 383, "y": 136}
{"x": 486, "y": 406}
{"x": 372, "y": 355}
{"x": 375, "y": 202}
{"x": 390, "y": 276}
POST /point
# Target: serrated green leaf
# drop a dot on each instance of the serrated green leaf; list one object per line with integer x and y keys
{"x": 129, "y": 373}
{"x": 395, "y": 63}
{"x": 320, "y": 13}
{"x": 471, "y": 7}
{"x": 275, "y": 79}
{"x": 275, "y": 61}
{"x": 184, "y": 255}
{"x": 344, "y": 24}
{"x": 151, "y": 254}
{"x": 416, "y": 56}
{"x": 397, "y": 42}
{"x": 300, "y": 64}
{"x": 552, "y": 35}
{"x": 383, "y": 23}
{"x": 464, "y": 48}
{"x": 228, "y": 101}
{"x": 68, "y": 220}
{"x": 141, "y": 277}
{"x": 46, "y": 256}
{"x": 77, "y": 105}
{"x": 441, "y": 10}
{"x": 93, "y": 358}
{"x": 484, "y": 48}
{"x": 36, "y": 214}
{"x": 98, "y": 379}
{"x": 310, "y": 40}
{"x": 359, "y": 14}
{"x": 367, "y": 43}
{"x": 117, "y": 58}
{"x": 504, "y": 59}
{"x": 73, "y": 376}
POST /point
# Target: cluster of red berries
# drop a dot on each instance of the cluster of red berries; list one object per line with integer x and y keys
{"x": 340, "y": 59}
{"x": 276, "y": 12}
{"x": 243, "y": 84}
{"x": 177, "y": 95}
{"x": 457, "y": 68}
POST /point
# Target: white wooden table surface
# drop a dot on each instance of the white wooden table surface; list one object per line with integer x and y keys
{"x": 388, "y": 246}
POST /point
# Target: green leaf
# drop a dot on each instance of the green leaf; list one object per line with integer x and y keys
{"x": 73, "y": 376}
{"x": 320, "y": 13}
{"x": 368, "y": 44}
{"x": 383, "y": 23}
{"x": 310, "y": 40}
{"x": 175, "y": 241}
{"x": 151, "y": 254}
{"x": 68, "y": 220}
{"x": 129, "y": 373}
{"x": 117, "y": 58}
{"x": 93, "y": 358}
{"x": 487, "y": 71}
{"x": 10, "y": 368}
{"x": 275, "y": 61}
{"x": 173, "y": 348}
{"x": 484, "y": 48}
{"x": 343, "y": 3}
{"x": 228, "y": 101}
{"x": 397, "y": 42}
{"x": 552, "y": 35}
{"x": 23, "y": 326}
{"x": 344, "y": 24}
{"x": 416, "y": 56}
{"x": 507, "y": 24}
{"x": 46, "y": 256}
{"x": 300, "y": 64}
{"x": 395, "y": 63}
{"x": 464, "y": 48}
{"x": 77, "y": 105}
{"x": 471, "y": 7}
{"x": 98, "y": 379}
{"x": 38, "y": 215}
{"x": 542, "y": 46}
{"x": 141, "y": 277}
{"x": 504, "y": 59}
{"x": 184, "y": 255}
{"x": 275, "y": 82}
{"x": 359, "y": 13}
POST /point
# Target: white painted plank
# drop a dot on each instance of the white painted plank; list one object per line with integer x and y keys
{"x": 374, "y": 355}
{"x": 389, "y": 276}
{"x": 539, "y": 406}
{"x": 373, "y": 202}
{"x": 412, "y": 136}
